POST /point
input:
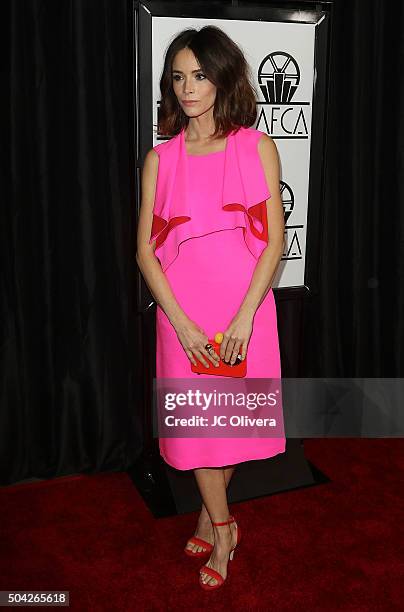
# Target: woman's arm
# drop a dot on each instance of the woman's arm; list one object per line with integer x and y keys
{"x": 146, "y": 259}
{"x": 270, "y": 257}
{"x": 192, "y": 338}
{"x": 238, "y": 333}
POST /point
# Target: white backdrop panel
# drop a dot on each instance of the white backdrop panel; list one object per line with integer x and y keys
{"x": 284, "y": 103}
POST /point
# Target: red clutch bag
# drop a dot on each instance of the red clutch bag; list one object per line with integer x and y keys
{"x": 237, "y": 370}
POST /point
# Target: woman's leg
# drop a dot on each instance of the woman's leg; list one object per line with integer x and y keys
{"x": 212, "y": 485}
{"x": 204, "y": 528}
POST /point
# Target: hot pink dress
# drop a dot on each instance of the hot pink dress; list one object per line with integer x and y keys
{"x": 212, "y": 258}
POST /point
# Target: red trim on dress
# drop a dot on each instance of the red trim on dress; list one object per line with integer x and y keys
{"x": 257, "y": 211}
{"x": 161, "y": 225}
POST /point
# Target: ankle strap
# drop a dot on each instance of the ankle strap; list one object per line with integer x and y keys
{"x": 229, "y": 520}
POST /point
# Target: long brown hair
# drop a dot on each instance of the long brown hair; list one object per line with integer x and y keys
{"x": 224, "y": 64}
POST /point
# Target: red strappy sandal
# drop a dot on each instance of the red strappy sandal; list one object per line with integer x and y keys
{"x": 209, "y": 570}
{"x": 198, "y": 542}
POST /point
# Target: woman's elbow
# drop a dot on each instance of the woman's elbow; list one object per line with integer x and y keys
{"x": 277, "y": 243}
{"x": 144, "y": 254}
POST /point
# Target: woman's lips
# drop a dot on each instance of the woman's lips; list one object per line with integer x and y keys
{"x": 189, "y": 102}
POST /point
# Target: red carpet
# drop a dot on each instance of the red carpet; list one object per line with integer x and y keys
{"x": 336, "y": 546}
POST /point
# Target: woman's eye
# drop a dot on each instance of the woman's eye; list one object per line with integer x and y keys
{"x": 177, "y": 77}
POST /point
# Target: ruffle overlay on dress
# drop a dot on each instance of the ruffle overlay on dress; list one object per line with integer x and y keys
{"x": 244, "y": 195}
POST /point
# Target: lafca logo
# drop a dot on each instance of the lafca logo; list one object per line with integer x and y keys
{"x": 292, "y": 231}
{"x": 278, "y": 80}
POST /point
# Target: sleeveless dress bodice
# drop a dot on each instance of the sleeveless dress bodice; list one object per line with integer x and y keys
{"x": 205, "y": 180}
{"x": 236, "y": 181}
{"x": 209, "y": 232}
{"x": 205, "y": 186}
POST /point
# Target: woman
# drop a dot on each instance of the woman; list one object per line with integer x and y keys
{"x": 210, "y": 238}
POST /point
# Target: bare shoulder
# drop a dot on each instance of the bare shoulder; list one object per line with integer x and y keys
{"x": 150, "y": 169}
{"x": 270, "y": 161}
{"x": 151, "y": 159}
{"x": 267, "y": 146}
{"x": 149, "y": 176}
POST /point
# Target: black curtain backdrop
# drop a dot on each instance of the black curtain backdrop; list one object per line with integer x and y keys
{"x": 69, "y": 388}
{"x": 355, "y": 326}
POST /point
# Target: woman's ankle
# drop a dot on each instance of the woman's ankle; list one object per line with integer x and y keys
{"x": 204, "y": 516}
{"x": 222, "y": 533}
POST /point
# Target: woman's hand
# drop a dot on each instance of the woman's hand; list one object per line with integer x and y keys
{"x": 193, "y": 340}
{"x": 236, "y": 335}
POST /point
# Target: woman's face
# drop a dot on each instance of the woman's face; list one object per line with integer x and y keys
{"x": 190, "y": 83}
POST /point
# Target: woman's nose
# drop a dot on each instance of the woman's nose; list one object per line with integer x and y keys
{"x": 188, "y": 87}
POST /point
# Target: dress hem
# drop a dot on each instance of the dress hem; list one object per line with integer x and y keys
{"x": 233, "y": 461}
